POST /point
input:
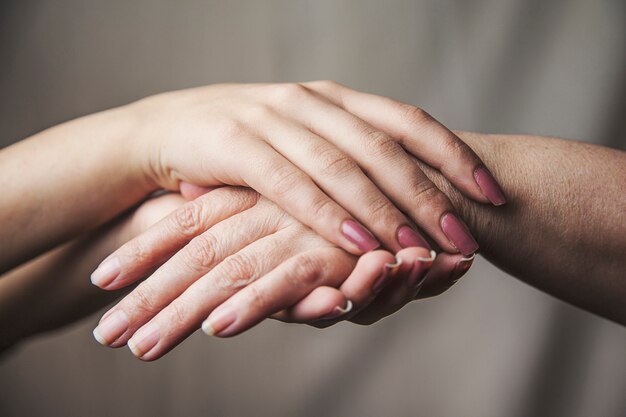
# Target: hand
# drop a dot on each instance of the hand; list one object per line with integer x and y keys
{"x": 245, "y": 260}
{"x": 336, "y": 159}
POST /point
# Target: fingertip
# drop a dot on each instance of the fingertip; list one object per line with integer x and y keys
{"x": 320, "y": 303}
{"x": 106, "y": 272}
{"x": 192, "y": 191}
{"x": 489, "y": 186}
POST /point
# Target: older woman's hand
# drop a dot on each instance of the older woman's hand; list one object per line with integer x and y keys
{"x": 244, "y": 259}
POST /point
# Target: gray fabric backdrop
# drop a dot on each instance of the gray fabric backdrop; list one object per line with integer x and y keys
{"x": 492, "y": 346}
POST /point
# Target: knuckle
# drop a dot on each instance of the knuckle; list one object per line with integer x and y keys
{"x": 455, "y": 148}
{"x": 202, "y": 252}
{"x": 322, "y": 208}
{"x": 336, "y": 164}
{"x": 258, "y": 113}
{"x": 423, "y": 192}
{"x": 379, "y": 145}
{"x": 284, "y": 179}
{"x": 188, "y": 219}
{"x": 378, "y": 206}
{"x": 231, "y": 128}
{"x": 141, "y": 255}
{"x": 307, "y": 271}
{"x": 236, "y": 272}
{"x": 289, "y": 92}
{"x": 178, "y": 313}
{"x": 413, "y": 115}
{"x": 143, "y": 299}
{"x": 429, "y": 198}
{"x": 256, "y": 297}
{"x": 328, "y": 84}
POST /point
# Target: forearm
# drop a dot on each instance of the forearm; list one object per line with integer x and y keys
{"x": 66, "y": 180}
{"x": 54, "y": 289}
{"x": 564, "y": 228}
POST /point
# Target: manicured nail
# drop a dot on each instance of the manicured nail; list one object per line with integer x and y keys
{"x": 461, "y": 268}
{"x": 112, "y": 327}
{"x": 409, "y": 238}
{"x": 388, "y": 269}
{"x": 144, "y": 340}
{"x": 489, "y": 186}
{"x": 358, "y": 235}
{"x": 106, "y": 272}
{"x": 417, "y": 274}
{"x": 219, "y": 320}
{"x": 458, "y": 234}
{"x": 339, "y": 311}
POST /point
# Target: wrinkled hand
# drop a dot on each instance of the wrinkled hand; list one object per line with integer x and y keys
{"x": 244, "y": 259}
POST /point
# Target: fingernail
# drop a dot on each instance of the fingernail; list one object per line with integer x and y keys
{"x": 144, "y": 340}
{"x": 112, "y": 327}
{"x": 408, "y": 238}
{"x": 358, "y": 235}
{"x": 106, "y": 272}
{"x": 417, "y": 274}
{"x": 339, "y": 311}
{"x": 461, "y": 268}
{"x": 458, "y": 234}
{"x": 219, "y": 320}
{"x": 388, "y": 269}
{"x": 489, "y": 186}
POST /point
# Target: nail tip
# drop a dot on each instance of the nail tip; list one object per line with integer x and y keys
{"x": 99, "y": 338}
{"x": 133, "y": 348}
{"x": 207, "y": 328}
{"x": 433, "y": 256}
{"x": 469, "y": 258}
{"x": 105, "y": 273}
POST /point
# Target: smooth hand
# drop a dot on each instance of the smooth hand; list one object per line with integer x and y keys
{"x": 338, "y": 160}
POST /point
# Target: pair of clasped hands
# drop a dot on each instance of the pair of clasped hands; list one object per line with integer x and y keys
{"x": 300, "y": 202}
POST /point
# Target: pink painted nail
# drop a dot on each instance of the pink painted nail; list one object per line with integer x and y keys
{"x": 358, "y": 235}
{"x": 144, "y": 340}
{"x": 106, "y": 272}
{"x": 219, "y": 320}
{"x": 489, "y": 186}
{"x": 111, "y": 328}
{"x": 458, "y": 234}
{"x": 382, "y": 279}
{"x": 408, "y": 238}
{"x": 418, "y": 271}
{"x": 461, "y": 268}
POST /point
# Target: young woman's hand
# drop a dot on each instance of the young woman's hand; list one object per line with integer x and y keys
{"x": 338, "y": 160}
{"x": 245, "y": 259}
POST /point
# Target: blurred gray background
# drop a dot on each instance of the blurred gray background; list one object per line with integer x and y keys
{"x": 491, "y": 346}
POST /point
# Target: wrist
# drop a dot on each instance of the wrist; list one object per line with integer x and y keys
{"x": 149, "y": 137}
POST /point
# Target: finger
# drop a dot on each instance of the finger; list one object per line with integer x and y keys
{"x": 392, "y": 170}
{"x": 321, "y": 303}
{"x": 371, "y": 273}
{"x": 439, "y": 280}
{"x": 341, "y": 178}
{"x": 236, "y": 273}
{"x": 143, "y": 254}
{"x": 406, "y": 284}
{"x": 294, "y": 191}
{"x": 423, "y": 136}
{"x": 192, "y": 191}
{"x": 198, "y": 257}
{"x": 279, "y": 289}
